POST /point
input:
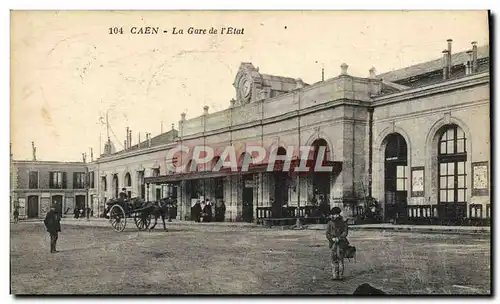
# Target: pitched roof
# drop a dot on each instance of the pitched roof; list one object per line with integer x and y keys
{"x": 431, "y": 66}
{"x": 158, "y": 140}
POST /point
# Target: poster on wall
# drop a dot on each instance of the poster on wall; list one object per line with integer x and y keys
{"x": 480, "y": 178}
{"x": 69, "y": 204}
{"x": 22, "y": 207}
{"x": 417, "y": 181}
{"x": 44, "y": 205}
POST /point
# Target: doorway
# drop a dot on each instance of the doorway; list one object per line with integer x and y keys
{"x": 57, "y": 201}
{"x": 248, "y": 198}
{"x": 32, "y": 206}
{"x": 395, "y": 169}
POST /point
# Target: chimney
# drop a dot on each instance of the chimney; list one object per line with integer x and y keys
{"x": 373, "y": 73}
{"x": 139, "y": 140}
{"x": 445, "y": 65}
{"x": 34, "y": 150}
{"x": 474, "y": 57}
{"x": 130, "y": 138}
{"x": 173, "y": 127}
{"x": 149, "y": 140}
{"x": 343, "y": 68}
{"x": 126, "y": 138}
{"x": 91, "y": 154}
{"x": 450, "y": 63}
{"x": 205, "y": 110}
{"x": 183, "y": 116}
{"x": 468, "y": 65}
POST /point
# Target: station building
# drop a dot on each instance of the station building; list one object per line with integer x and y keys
{"x": 416, "y": 139}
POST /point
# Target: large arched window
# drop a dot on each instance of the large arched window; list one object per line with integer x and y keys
{"x": 128, "y": 180}
{"x": 452, "y": 158}
{"x": 115, "y": 185}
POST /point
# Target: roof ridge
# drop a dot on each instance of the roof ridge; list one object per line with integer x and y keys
{"x": 430, "y": 65}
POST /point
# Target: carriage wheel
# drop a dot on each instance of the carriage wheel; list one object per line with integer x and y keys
{"x": 117, "y": 218}
{"x": 142, "y": 221}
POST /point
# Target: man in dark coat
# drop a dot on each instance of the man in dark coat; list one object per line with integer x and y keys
{"x": 53, "y": 225}
{"x": 336, "y": 233}
{"x": 16, "y": 215}
{"x": 197, "y": 211}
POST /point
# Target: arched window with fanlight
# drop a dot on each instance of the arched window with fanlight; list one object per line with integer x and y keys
{"x": 452, "y": 159}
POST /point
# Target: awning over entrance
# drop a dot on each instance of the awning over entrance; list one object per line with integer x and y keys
{"x": 259, "y": 168}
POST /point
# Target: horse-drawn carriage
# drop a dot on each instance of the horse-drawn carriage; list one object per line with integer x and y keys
{"x": 118, "y": 211}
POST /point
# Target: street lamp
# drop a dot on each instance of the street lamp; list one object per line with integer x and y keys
{"x": 87, "y": 186}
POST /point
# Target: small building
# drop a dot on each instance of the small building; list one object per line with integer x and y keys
{"x": 36, "y": 185}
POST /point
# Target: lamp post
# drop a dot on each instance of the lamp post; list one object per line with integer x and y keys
{"x": 87, "y": 186}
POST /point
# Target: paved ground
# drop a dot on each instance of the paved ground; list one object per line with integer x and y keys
{"x": 241, "y": 260}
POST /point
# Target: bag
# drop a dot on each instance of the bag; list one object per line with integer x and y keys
{"x": 350, "y": 252}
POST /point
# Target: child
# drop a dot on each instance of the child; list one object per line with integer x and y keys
{"x": 336, "y": 233}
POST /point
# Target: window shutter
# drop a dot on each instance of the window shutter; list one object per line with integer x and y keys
{"x": 64, "y": 180}
{"x": 51, "y": 179}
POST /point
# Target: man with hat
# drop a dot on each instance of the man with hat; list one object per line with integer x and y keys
{"x": 336, "y": 233}
{"x": 53, "y": 224}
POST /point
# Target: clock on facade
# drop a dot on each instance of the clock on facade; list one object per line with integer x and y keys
{"x": 245, "y": 89}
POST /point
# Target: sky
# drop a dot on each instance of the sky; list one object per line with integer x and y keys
{"x": 67, "y": 71}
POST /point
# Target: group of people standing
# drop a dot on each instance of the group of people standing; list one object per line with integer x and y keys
{"x": 204, "y": 211}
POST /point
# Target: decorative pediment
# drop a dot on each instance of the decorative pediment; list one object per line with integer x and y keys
{"x": 245, "y": 83}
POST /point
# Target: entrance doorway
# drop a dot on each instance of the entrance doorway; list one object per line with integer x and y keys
{"x": 80, "y": 202}
{"x": 33, "y": 206}
{"x": 396, "y": 192}
{"x": 248, "y": 182}
{"x": 452, "y": 182}
{"x": 280, "y": 188}
{"x": 57, "y": 200}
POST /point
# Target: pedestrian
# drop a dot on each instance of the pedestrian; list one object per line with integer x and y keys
{"x": 336, "y": 233}
{"x": 53, "y": 224}
{"x": 16, "y": 215}
{"x": 197, "y": 211}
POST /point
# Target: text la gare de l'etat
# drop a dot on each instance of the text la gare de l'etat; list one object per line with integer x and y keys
{"x": 149, "y": 30}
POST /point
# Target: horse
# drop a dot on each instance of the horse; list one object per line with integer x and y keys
{"x": 161, "y": 209}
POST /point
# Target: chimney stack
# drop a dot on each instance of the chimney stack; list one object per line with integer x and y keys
{"x": 373, "y": 73}
{"x": 33, "y": 150}
{"x": 130, "y": 138}
{"x": 205, "y": 110}
{"x": 343, "y": 68}
{"x": 173, "y": 127}
{"x": 445, "y": 65}
{"x": 468, "y": 65}
{"x": 149, "y": 140}
{"x": 450, "y": 63}
{"x": 126, "y": 138}
{"x": 183, "y": 116}
{"x": 139, "y": 140}
{"x": 474, "y": 57}
{"x": 91, "y": 154}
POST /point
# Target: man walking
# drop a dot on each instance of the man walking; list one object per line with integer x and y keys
{"x": 16, "y": 215}
{"x": 53, "y": 224}
{"x": 336, "y": 233}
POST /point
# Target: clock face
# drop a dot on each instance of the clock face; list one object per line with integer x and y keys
{"x": 245, "y": 88}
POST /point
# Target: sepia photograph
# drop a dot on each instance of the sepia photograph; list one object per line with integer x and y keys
{"x": 250, "y": 152}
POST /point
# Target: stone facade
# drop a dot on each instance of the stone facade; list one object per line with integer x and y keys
{"x": 35, "y": 199}
{"x": 356, "y": 119}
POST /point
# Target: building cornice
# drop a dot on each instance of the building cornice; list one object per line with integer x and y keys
{"x": 141, "y": 151}
{"x": 445, "y": 86}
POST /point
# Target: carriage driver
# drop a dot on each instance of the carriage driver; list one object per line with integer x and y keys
{"x": 123, "y": 194}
